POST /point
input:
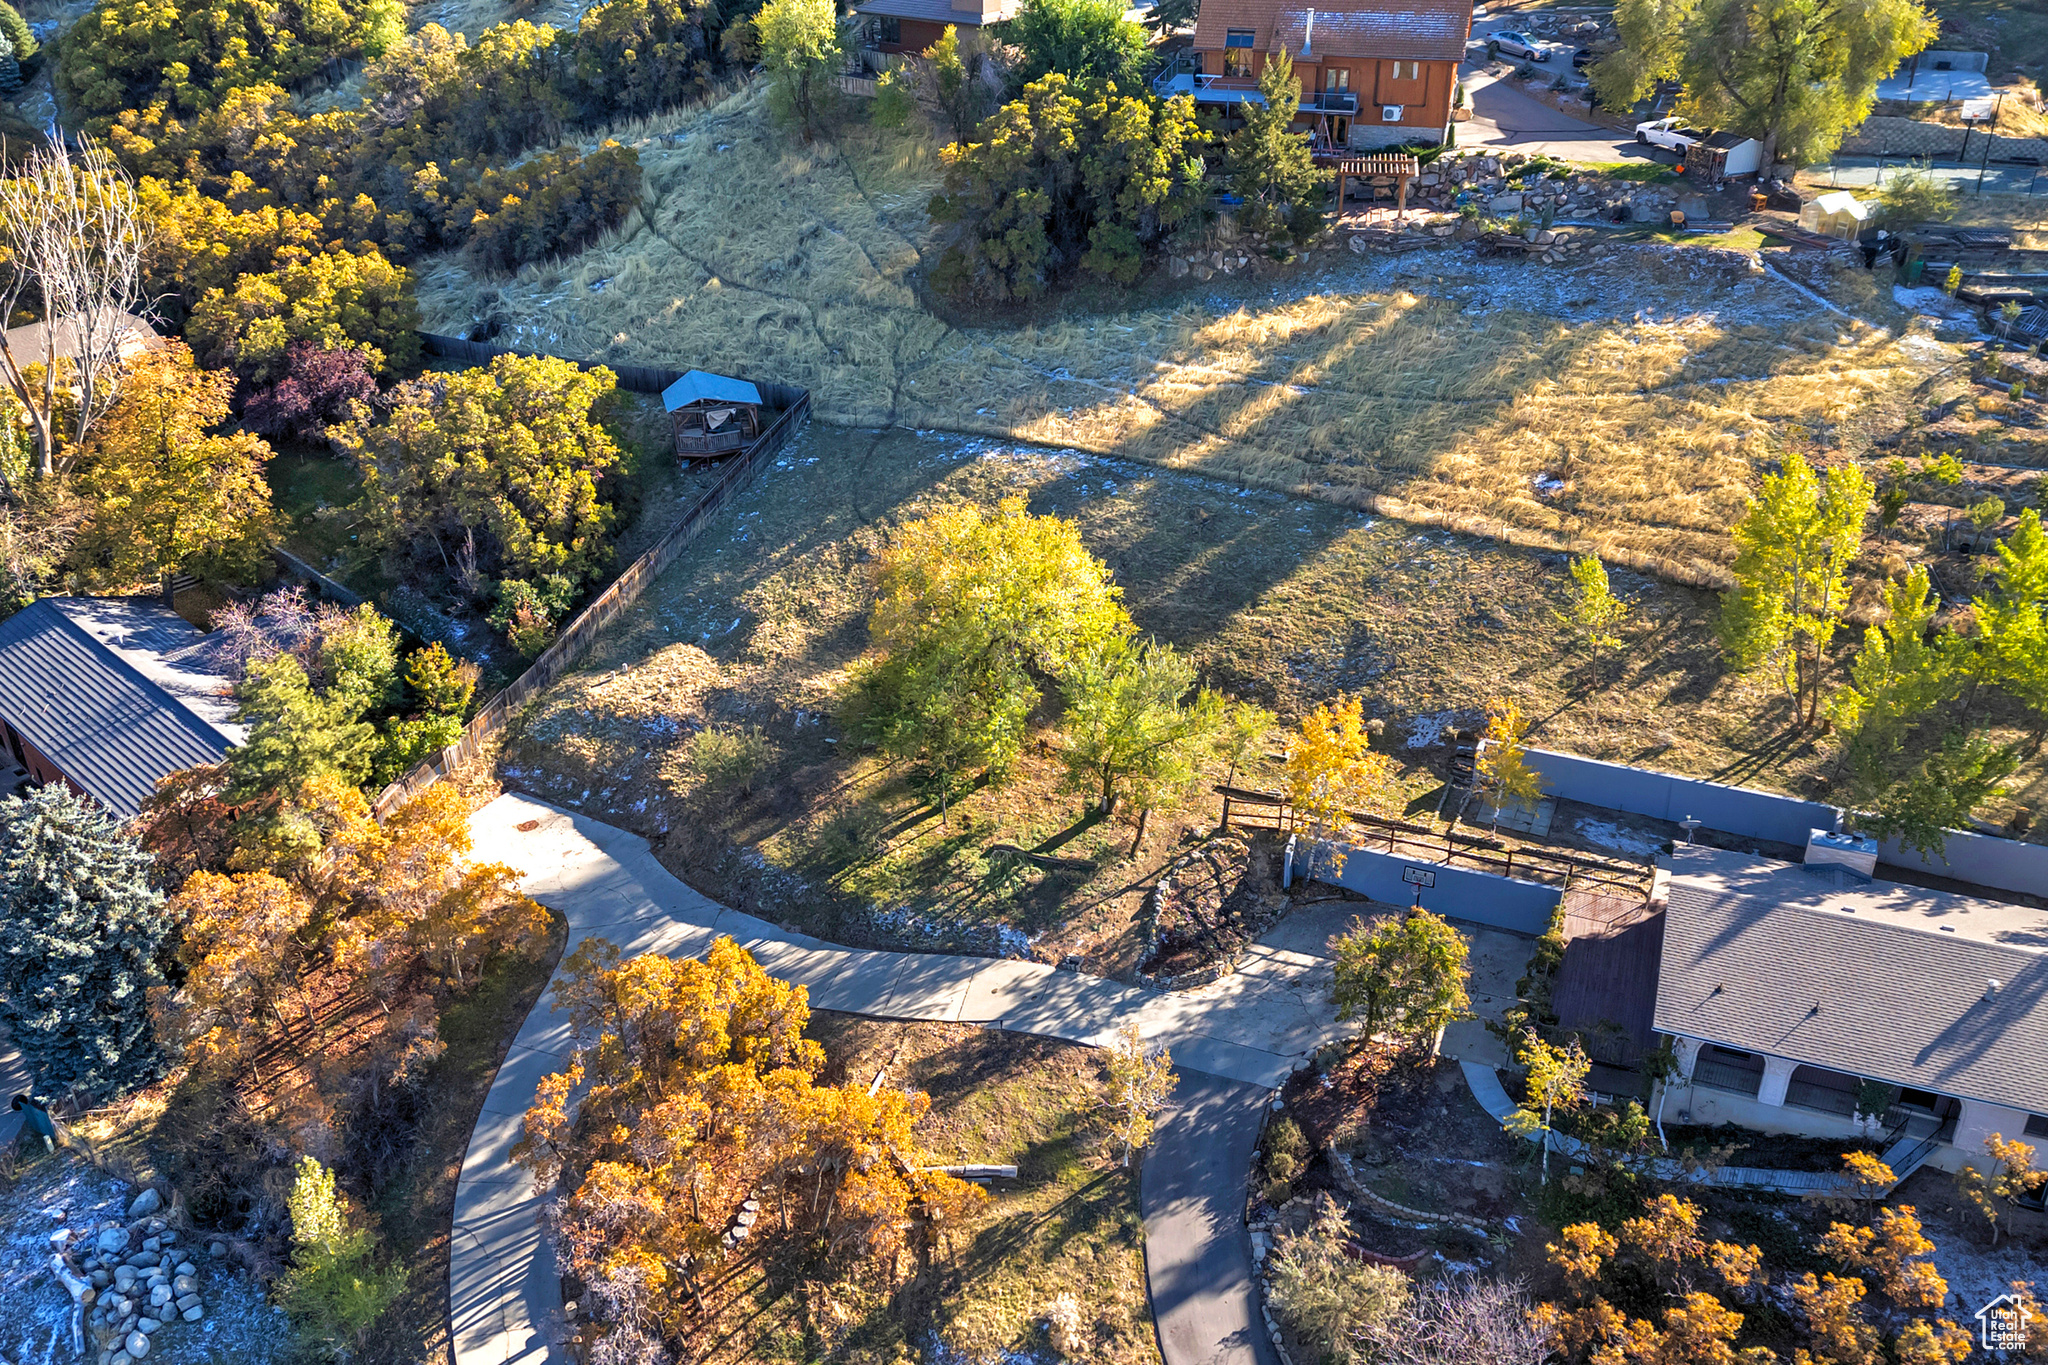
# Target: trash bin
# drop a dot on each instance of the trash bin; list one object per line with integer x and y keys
{"x": 1914, "y": 270}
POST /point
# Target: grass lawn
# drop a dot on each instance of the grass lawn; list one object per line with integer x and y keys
{"x": 1068, "y": 1223}
{"x": 1282, "y": 600}
{"x": 314, "y": 493}
{"x": 1366, "y": 381}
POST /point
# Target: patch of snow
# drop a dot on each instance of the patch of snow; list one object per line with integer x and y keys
{"x": 1428, "y": 728}
{"x": 1607, "y": 834}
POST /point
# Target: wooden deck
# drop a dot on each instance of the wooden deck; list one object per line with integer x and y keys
{"x": 1607, "y": 985}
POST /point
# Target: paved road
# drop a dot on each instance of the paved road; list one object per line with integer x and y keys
{"x": 1248, "y": 1031}
{"x": 1198, "y": 1255}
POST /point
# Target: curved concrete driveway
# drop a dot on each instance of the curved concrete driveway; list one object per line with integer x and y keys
{"x": 1244, "y": 1035}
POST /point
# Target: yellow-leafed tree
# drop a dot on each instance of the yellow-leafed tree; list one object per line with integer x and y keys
{"x": 1332, "y": 771}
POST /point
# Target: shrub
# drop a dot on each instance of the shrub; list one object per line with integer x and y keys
{"x": 1914, "y": 195}
{"x": 529, "y": 612}
{"x": 334, "y": 300}
{"x": 83, "y": 936}
{"x": 320, "y": 387}
{"x": 334, "y": 1292}
{"x": 1328, "y": 1299}
{"x": 728, "y": 759}
{"x": 549, "y": 206}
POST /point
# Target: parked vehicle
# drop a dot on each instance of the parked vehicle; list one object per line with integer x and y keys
{"x": 1516, "y": 45}
{"x": 1667, "y": 133}
{"x": 1584, "y": 58}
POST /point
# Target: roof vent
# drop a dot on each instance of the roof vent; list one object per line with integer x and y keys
{"x": 1990, "y": 990}
{"x": 1308, "y": 37}
{"x": 1855, "y": 854}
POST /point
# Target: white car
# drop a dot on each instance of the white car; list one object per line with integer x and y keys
{"x": 1516, "y": 45}
{"x": 1668, "y": 134}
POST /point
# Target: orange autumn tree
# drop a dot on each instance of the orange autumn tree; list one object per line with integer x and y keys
{"x": 1877, "y": 1306}
{"x": 693, "y": 1088}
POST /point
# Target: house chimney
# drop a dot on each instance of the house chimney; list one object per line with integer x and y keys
{"x": 1308, "y": 38}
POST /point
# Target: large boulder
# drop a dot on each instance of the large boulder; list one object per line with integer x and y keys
{"x": 144, "y": 1204}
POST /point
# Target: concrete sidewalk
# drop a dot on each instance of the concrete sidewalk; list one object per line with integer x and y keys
{"x": 1252, "y": 1028}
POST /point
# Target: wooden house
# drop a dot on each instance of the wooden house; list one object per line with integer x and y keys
{"x": 1374, "y": 73}
{"x": 712, "y": 415}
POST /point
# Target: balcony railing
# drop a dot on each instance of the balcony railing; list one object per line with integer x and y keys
{"x": 1243, "y": 89}
{"x": 1726, "y": 1076}
{"x": 1807, "y": 1095}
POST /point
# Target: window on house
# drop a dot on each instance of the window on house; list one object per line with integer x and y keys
{"x": 1237, "y": 52}
{"x": 1407, "y": 71}
{"x": 888, "y": 29}
{"x": 2037, "y": 1125}
{"x": 1336, "y": 78}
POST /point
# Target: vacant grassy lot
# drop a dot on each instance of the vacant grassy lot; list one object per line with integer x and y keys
{"x": 1068, "y": 1223}
{"x": 1286, "y": 600}
{"x": 1434, "y": 386}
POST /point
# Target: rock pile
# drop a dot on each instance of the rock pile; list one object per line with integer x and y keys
{"x": 1500, "y": 187}
{"x": 143, "y": 1281}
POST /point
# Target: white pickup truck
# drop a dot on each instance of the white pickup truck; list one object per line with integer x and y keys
{"x": 1668, "y": 134}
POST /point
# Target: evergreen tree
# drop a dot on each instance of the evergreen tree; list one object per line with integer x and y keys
{"x": 293, "y": 733}
{"x": 1269, "y": 163}
{"x": 82, "y": 938}
{"x": 20, "y": 39}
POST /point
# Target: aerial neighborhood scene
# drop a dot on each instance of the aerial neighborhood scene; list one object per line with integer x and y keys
{"x": 1002, "y": 682}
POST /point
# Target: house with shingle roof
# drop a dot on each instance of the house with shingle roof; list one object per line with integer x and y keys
{"x": 1809, "y": 998}
{"x": 109, "y": 696}
{"x": 1374, "y": 73}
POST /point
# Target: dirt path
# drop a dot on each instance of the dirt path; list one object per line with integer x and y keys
{"x": 1239, "y": 1038}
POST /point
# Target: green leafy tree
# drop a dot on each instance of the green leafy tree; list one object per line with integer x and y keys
{"x": 1596, "y": 613}
{"x": 83, "y": 939}
{"x": 1793, "y": 549}
{"x": 492, "y": 473}
{"x": 335, "y": 1292}
{"x": 1966, "y": 771}
{"x": 1061, "y": 181}
{"x": 17, "y": 32}
{"x": 2012, "y": 619}
{"x": 1915, "y": 195}
{"x": 963, "y": 101}
{"x": 165, "y": 494}
{"x": 969, "y": 606}
{"x": 802, "y": 49}
{"x": 443, "y": 685}
{"x": 1556, "y": 1080}
{"x": 1894, "y": 491}
{"x": 1899, "y": 674}
{"x": 1090, "y": 42}
{"x": 294, "y": 734}
{"x": 334, "y": 299}
{"x": 1269, "y": 164}
{"x": 1132, "y": 726}
{"x": 1402, "y": 976}
{"x": 1798, "y": 77}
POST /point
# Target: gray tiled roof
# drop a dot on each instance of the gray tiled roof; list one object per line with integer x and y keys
{"x": 115, "y": 692}
{"x": 1878, "y": 980}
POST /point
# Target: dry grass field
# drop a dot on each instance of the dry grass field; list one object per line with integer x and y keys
{"x": 1281, "y": 599}
{"x": 1624, "y": 403}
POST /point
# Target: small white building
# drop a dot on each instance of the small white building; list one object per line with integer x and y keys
{"x": 1837, "y": 213}
{"x": 1799, "y": 995}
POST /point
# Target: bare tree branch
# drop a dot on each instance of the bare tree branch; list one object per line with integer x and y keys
{"x": 71, "y": 248}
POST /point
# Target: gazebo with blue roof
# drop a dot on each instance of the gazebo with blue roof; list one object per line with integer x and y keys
{"x": 712, "y": 414}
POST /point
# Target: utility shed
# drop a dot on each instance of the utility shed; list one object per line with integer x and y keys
{"x": 712, "y": 414}
{"x": 1836, "y": 214}
{"x": 109, "y": 695}
{"x": 1719, "y": 156}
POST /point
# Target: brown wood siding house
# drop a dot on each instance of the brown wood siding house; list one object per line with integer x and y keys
{"x": 892, "y": 27}
{"x": 1371, "y": 75}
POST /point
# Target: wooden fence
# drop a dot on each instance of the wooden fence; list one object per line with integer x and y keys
{"x": 1422, "y": 843}
{"x": 607, "y": 606}
{"x": 633, "y": 378}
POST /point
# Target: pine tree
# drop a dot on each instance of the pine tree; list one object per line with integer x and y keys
{"x": 82, "y": 940}
{"x": 1269, "y": 163}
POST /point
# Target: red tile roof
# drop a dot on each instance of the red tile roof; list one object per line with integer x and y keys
{"x": 1417, "y": 30}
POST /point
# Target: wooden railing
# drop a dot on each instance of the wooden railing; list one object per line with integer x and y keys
{"x": 1271, "y": 810}
{"x": 582, "y": 629}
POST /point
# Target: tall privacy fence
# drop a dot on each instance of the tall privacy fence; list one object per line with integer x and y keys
{"x": 1979, "y": 859}
{"x": 1887, "y": 136}
{"x": 607, "y": 606}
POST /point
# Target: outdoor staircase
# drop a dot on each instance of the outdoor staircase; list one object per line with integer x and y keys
{"x": 1913, "y": 1142}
